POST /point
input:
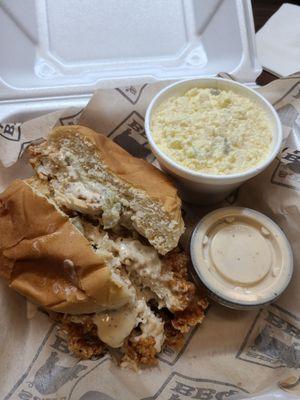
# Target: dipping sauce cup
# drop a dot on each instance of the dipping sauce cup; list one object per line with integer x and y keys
{"x": 242, "y": 257}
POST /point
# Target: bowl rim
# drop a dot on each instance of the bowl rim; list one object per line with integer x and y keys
{"x": 183, "y": 171}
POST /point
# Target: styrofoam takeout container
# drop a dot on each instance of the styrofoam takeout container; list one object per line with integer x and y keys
{"x": 203, "y": 188}
{"x": 50, "y": 60}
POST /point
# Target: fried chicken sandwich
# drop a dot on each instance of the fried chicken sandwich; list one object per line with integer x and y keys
{"x": 92, "y": 238}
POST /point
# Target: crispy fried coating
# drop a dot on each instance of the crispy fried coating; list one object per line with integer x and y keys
{"x": 177, "y": 264}
{"x": 137, "y": 352}
{"x": 191, "y": 316}
{"x": 82, "y": 337}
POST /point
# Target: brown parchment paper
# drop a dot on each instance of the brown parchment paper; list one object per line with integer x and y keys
{"x": 233, "y": 354}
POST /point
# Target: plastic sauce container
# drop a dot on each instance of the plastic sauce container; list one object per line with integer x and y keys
{"x": 199, "y": 187}
{"x": 242, "y": 257}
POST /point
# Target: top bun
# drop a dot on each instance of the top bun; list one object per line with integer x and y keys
{"x": 137, "y": 191}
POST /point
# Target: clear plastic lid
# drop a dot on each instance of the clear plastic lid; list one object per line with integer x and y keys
{"x": 242, "y": 256}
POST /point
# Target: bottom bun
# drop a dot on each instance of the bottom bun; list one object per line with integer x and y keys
{"x": 44, "y": 257}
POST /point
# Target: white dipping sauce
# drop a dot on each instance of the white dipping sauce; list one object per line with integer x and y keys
{"x": 242, "y": 257}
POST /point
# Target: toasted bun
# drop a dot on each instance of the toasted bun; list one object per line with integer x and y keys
{"x": 135, "y": 171}
{"x": 45, "y": 258}
{"x": 151, "y": 198}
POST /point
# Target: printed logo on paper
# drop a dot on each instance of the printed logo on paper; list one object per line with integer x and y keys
{"x": 24, "y": 145}
{"x": 287, "y": 172}
{"x": 273, "y": 340}
{"x": 130, "y": 135}
{"x": 52, "y": 369}
{"x": 131, "y": 93}
{"x": 95, "y": 395}
{"x": 181, "y": 387}
{"x": 170, "y": 356}
{"x": 70, "y": 119}
{"x": 10, "y": 131}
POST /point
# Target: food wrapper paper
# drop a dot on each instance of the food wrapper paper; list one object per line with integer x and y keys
{"x": 233, "y": 354}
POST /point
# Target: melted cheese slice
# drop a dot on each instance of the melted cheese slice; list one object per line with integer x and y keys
{"x": 114, "y": 326}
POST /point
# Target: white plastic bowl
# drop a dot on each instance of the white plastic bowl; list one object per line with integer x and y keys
{"x": 203, "y": 188}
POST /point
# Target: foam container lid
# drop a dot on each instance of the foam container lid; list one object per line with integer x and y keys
{"x": 73, "y": 47}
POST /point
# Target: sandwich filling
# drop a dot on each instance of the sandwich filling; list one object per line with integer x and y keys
{"x": 162, "y": 303}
